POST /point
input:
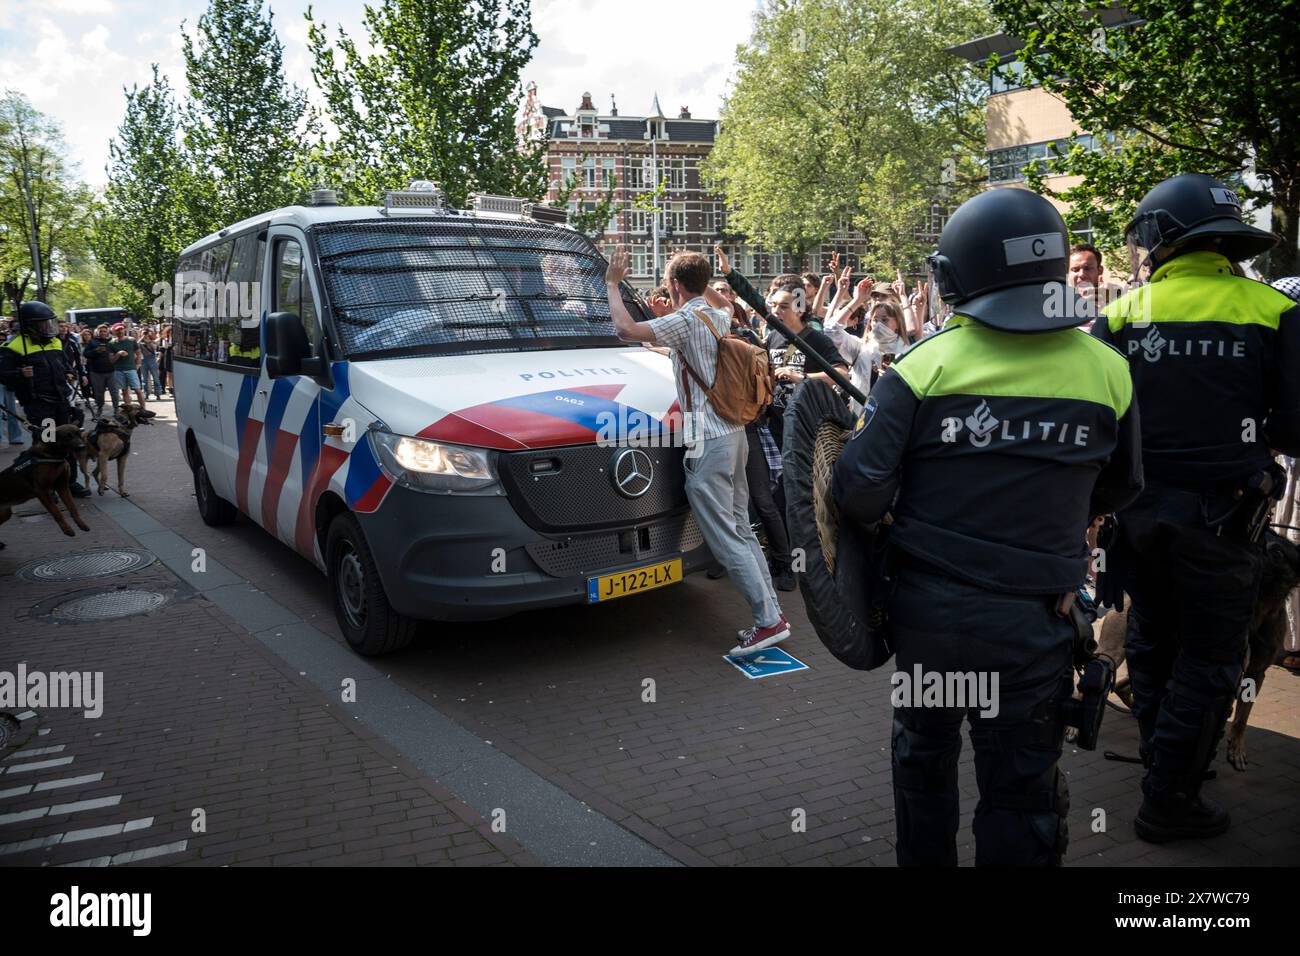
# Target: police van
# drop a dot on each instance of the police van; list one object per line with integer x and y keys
{"x": 432, "y": 406}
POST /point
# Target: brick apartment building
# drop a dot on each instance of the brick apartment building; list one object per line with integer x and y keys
{"x": 638, "y": 151}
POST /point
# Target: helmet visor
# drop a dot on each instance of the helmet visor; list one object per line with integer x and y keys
{"x": 1145, "y": 236}
{"x": 42, "y": 328}
{"x": 1139, "y": 259}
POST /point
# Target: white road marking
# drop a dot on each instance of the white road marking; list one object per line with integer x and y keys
{"x": 25, "y": 714}
{"x": 39, "y": 765}
{"x": 38, "y": 752}
{"x": 16, "y": 791}
{"x": 76, "y": 836}
{"x": 132, "y": 856}
{"x": 60, "y": 808}
{"x": 68, "y": 782}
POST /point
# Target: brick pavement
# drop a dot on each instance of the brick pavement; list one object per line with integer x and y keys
{"x": 712, "y": 771}
{"x": 198, "y": 715}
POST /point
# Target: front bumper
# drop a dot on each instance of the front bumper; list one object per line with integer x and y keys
{"x": 465, "y": 558}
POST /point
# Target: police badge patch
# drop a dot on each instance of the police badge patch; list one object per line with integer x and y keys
{"x": 868, "y": 412}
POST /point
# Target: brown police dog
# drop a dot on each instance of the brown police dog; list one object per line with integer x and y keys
{"x": 42, "y": 473}
{"x": 1268, "y": 629}
{"x": 109, "y": 439}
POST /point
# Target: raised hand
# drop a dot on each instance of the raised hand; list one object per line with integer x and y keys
{"x": 724, "y": 264}
{"x": 618, "y": 267}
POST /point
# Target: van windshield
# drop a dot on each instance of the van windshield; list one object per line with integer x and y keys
{"x": 420, "y": 286}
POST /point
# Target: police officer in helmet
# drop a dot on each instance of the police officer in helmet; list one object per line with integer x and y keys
{"x": 33, "y": 364}
{"x": 993, "y": 444}
{"x": 1216, "y": 366}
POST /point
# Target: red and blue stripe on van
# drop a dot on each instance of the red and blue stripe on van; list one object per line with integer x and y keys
{"x": 570, "y": 416}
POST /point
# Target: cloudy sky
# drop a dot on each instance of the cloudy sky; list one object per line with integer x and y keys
{"x": 72, "y": 58}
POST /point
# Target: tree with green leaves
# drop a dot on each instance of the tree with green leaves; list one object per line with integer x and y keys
{"x": 1211, "y": 87}
{"x": 86, "y": 284}
{"x": 591, "y": 219}
{"x": 45, "y": 213}
{"x": 436, "y": 99}
{"x": 851, "y": 111}
{"x": 142, "y": 227}
{"x": 247, "y": 132}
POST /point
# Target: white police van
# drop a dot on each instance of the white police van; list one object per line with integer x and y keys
{"x": 432, "y": 406}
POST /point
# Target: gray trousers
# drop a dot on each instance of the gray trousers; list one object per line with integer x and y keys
{"x": 719, "y": 497}
{"x": 98, "y": 382}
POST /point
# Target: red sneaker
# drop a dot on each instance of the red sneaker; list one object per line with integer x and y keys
{"x": 760, "y": 638}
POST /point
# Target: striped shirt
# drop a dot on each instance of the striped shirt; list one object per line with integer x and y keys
{"x": 682, "y": 331}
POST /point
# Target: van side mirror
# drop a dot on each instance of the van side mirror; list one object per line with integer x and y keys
{"x": 287, "y": 346}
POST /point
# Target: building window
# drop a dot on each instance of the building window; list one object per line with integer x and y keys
{"x": 674, "y": 216}
{"x": 1007, "y": 165}
{"x": 589, "y": 173}
{"x": 744, "y": 261}
{"x": 1081, "y": 230}
{"x": 568, "y": 169}
{"x": 640, "y": 260}
{"x": 707, "y": 219}
{"x": 636, "y": 221}
{"x": 1008, "y": 76}
{"x": 638, "y": 174}
{"x": 607, "y": 175}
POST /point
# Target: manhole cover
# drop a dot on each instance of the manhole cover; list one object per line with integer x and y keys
{"x": 86, "y": 564}
{"x": 9, "y": 728}
{"x": 109, "y": 605}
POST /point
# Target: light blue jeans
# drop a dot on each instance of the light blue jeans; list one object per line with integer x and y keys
{"x": 9, "y": 412}
{"x": 718, "y": 492}
{"x": 149, "y": 372}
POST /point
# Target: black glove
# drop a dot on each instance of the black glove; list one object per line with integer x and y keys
{"x": 1110, "y": 582}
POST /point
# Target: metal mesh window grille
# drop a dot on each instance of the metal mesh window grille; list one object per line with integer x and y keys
{"x": 443, "y": 284}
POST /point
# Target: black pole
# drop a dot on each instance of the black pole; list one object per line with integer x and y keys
{"x": 815, "y": 357}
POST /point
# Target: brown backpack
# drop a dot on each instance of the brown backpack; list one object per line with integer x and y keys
{"x": 742, "y": 387}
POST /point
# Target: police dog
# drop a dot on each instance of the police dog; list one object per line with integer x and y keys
{"x": 109, "y": 439}
{"x": 1268, "y": 629}
{"x": 42, "y": 473}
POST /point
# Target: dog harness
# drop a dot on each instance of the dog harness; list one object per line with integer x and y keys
{"x": 114, "y": 426}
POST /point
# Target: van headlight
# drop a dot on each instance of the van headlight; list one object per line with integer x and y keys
{"x": 437, "y": 467}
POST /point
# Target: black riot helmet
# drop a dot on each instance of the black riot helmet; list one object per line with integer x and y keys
{"x": 37, "y": 321}
{"x": 1002, "y": 260}
{"x": 1183, "y": 209}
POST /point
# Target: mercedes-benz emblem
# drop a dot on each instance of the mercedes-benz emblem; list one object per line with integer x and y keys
{"x": 633, "y": 472}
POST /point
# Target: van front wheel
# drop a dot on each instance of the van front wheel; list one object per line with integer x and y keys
{"x": 214, "y": 511}
{"x": 370, "y": 625}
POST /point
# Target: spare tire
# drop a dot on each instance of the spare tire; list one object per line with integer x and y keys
{"x": 840, "y": 558}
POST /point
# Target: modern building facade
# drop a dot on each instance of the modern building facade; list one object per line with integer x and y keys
{"x": 1024, "y": 120}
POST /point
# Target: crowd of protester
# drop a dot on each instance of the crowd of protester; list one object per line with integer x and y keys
{"x": 859, "y": 327}
{"x": 126, "y": 361}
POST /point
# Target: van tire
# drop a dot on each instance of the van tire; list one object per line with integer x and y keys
{"x": 368, "y": 622}
{"x": 214, "y": 510}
